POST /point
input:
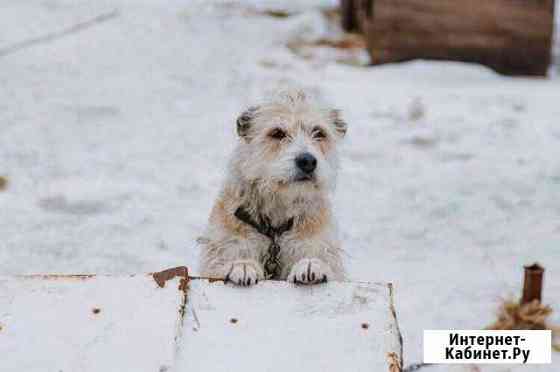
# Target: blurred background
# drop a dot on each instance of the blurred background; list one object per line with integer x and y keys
{"x": 117, "y": 119}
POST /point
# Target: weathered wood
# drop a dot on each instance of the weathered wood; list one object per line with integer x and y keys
{"x": 513, "y": 37}
{"x": 277, "y": 326}
{"x": 87, "y": 323}
{"x": 169, "y": 321}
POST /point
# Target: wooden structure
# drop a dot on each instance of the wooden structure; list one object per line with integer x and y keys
{"x": 173, "y": 322}
{"x": 513, "y": 37}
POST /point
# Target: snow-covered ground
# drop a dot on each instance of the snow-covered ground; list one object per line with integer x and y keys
{"x": 114, "y": 138}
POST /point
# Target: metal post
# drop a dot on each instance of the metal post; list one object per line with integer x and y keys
{"x": 532, "y": 284}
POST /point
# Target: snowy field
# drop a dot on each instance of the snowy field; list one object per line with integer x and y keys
{"x": 114, "y": 138}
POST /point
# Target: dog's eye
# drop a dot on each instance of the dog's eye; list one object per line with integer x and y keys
{"x": 319, "y": 134}
{"x": 277, "y": 134}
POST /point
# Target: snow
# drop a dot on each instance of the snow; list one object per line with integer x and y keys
{"x": 114, "y": 140}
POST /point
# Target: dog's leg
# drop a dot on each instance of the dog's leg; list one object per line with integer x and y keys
{"x": 310, "y": 271}
{"x": 244, "y": 273}
{"x": 234, "y": 261}
{"x": 314, "y": 260}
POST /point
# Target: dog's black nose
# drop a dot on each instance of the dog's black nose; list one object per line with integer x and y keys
{"x": 306, "y": 162}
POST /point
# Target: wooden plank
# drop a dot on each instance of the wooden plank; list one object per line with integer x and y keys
{"x": 87, "y": 323}
{"x": 278, "y": 326}
{"x": 512, "y": 37}
{"x": 83, "y": 323}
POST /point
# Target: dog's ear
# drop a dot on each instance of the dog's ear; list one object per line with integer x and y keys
{"x": 245, "y": 121}
{"x": 339, "y": 124}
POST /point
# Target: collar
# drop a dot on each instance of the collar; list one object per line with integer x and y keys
{"x": 264, "y": 225}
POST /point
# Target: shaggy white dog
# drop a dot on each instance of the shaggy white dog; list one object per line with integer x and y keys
{"x": 273, "y": 219}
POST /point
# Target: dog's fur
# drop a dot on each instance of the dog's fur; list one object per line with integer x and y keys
{"x": 263, "y": 177}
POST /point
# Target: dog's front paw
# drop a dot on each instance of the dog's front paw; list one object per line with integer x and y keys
{"x": 244, "y": 273}
{"x": 310, "y": 271}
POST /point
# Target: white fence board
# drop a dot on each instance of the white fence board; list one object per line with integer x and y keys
{"x": 283, "y": 327}
{"x": 49, "y": 324}
{"x": 95, "y": 323}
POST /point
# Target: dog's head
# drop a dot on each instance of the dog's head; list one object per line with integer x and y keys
{"x": 289, "y": 145}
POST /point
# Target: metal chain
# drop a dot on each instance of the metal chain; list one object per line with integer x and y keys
{"x": 271, "y": 260}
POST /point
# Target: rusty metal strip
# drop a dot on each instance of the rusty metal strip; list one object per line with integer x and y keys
{"x": 163, "y": 276}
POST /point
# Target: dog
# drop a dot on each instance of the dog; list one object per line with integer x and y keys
{"x": 273, "y": 216}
